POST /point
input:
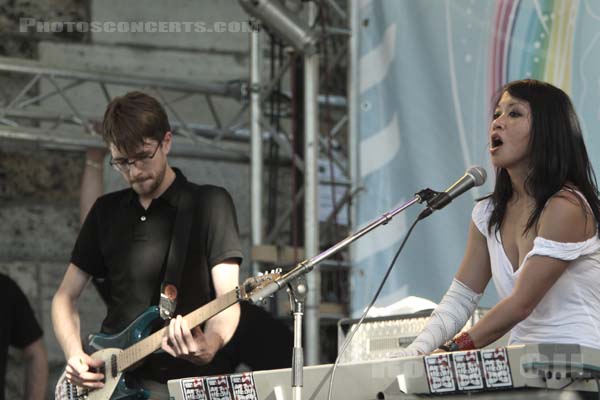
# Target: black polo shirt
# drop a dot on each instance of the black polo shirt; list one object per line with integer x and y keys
{"x": 127, "y": 245}
{"x": 19, "y": 327}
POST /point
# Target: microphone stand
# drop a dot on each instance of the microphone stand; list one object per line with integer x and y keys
{"x": 297, "y": 290}
{"x": 296, "y": 281}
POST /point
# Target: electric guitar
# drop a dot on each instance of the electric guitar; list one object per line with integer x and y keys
{"x": 122, "y": 350}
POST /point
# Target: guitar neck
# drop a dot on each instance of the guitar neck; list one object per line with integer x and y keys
{"x": 147, "y": 346}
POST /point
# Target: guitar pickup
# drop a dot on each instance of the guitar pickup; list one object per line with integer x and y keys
{"x": 100, "y": 370}
{"x": 113, "y": 365}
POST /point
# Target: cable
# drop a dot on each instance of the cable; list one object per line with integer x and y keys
{"x": 364, "y": 314}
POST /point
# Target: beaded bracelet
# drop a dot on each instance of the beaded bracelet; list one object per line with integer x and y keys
{"x": 464, "y": 341}
{"x": 460, "y": 342}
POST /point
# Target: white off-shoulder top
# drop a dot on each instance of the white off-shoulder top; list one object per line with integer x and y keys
{"x": 570, "y": 310}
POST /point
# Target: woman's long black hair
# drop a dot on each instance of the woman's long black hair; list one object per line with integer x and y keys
{"x": 557, "y": 153}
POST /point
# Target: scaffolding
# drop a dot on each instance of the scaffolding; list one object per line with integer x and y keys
{"x": 316, "y": 146}
{"x": 28, "y": 117}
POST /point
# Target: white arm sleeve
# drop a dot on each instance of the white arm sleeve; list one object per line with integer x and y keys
{"x": 448, "y": 318}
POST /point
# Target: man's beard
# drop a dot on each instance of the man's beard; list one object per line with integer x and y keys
{"x": 139, "y": 186}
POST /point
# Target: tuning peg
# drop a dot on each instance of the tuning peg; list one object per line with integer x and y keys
{"x": 259, "y": 274}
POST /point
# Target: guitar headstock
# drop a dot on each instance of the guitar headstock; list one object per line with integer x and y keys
{"x": 258, "y": 282}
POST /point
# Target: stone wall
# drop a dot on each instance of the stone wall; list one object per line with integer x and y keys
{"x": 39, "y": 214}
{"x": 38, "y": 194}
{"x": 39, "y": 187}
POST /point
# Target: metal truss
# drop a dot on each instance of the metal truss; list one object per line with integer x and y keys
{"x": 329, "y": 144}
{"x": 29, "y": 116}
{"x": 32, "y": 114}
{"x": 338, "y": 155}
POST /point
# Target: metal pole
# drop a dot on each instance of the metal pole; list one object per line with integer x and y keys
{"x": 297, "y": 293}
{"x": 182, "y": 147}
{"x": 306, "y": 266}
{"x": 311, "y": 214}
{"x": 353, "y": 112}
{"x": 256, "y": 170}
{"x": 35, "y": 67}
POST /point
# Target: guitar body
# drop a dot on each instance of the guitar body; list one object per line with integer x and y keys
{"x": 135, "y": 331}
{"x": 107, "y": 347}
{"x": 122, "y": 351}
{"x": 113, "y": 388}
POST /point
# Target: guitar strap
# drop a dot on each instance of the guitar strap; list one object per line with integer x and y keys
{"x": 177, "y": 253}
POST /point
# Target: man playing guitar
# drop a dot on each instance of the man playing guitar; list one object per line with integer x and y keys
{"x": 125, "y": 241}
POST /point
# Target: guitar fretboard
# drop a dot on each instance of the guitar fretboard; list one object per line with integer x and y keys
{"x": 143, "y": 348}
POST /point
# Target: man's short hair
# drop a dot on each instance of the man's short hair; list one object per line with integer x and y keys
{"x": 131, "y": 119}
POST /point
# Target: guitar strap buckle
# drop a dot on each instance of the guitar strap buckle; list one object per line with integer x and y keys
{"x": 168, "y": 301}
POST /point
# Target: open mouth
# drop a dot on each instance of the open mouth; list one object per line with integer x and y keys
{"x": 495, "y": 142}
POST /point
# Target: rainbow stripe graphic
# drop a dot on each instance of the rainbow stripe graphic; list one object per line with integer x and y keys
{"x": 533, "y": 39}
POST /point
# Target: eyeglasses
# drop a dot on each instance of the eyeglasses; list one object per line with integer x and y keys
{"x": 124, "y": 164}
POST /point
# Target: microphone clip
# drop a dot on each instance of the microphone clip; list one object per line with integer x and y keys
{"x": 426, "y": 195}
{"x": 435, "y": 201}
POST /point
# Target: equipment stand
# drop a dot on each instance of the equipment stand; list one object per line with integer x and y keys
{"x": 295, "y": 281}
{"x": 297, "y": 293}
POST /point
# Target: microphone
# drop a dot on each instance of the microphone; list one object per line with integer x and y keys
{"x": 474, "y": 176}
